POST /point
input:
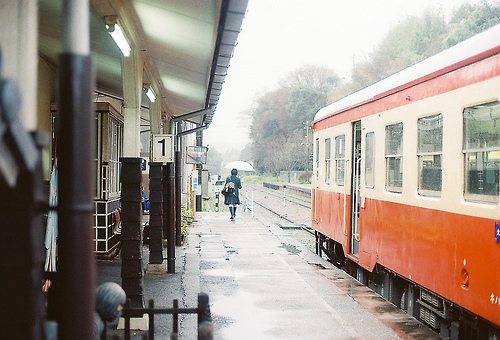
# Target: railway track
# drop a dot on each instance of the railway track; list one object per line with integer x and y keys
{"x": 297, "y": 211}
{"x": 306, "y": 203}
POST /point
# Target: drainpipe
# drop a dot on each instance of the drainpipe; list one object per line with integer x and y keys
{"x": 175, "y": 129}
{"x": 199, "y": 167}
{"x": 77, "y": 264}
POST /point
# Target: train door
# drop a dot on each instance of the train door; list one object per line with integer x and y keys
{"x": 355, "y": 186}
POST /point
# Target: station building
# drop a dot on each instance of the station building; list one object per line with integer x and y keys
{"x": 144, "y": 68}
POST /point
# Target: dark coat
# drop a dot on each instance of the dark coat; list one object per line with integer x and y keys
{"x": 233, "y": 198}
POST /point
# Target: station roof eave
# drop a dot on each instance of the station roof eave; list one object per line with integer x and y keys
{"x": 187, "y": 47}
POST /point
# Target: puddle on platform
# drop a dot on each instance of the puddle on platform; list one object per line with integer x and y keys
{"x": 396, "y": 319}
{"x": 317, "y": 265}
{"x": 290, "y": 248}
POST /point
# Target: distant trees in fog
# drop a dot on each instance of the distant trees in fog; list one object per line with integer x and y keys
{"x": 280, "y": 139}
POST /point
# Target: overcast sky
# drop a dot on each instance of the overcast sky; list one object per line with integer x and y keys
{"x": 279, "y": 36}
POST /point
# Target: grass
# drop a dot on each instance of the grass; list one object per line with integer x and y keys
{"x": 258, "y": 179}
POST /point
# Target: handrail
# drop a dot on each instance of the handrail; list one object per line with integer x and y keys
{"x": 344, "y": 227}
{"x": 357, "y": 189}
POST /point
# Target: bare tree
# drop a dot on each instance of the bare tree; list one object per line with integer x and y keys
{"x": 311, "y": 76}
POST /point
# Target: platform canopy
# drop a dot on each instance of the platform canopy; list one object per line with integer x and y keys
{"x": 240, "y": 166}
{"x": 186, "y": 45}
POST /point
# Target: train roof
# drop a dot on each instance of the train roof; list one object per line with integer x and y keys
{"x": 480, "y": 43}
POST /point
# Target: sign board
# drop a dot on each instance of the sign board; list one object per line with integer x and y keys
{"x": 497, "y": 231}
{"x": 196, "y": 154}
{"x": 194, "y": 181}
{"x": 163, "y": 148}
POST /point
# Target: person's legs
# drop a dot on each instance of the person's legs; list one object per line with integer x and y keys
{"x": 234, "y": 210}
{"x": 231, "y": 211}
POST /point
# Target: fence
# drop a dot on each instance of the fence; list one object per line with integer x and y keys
{"x": 249, "y": 202}
{"x": 205, "y": 328}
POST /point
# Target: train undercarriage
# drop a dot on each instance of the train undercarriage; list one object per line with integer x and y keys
{"x": 448, "y": 320}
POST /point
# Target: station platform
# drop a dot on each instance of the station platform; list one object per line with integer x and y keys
{"x": 264, "y": 284}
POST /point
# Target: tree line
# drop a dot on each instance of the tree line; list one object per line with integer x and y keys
{"x": 281, "y": 139}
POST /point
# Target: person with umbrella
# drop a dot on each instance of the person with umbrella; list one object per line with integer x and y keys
{"x": 231, "y": 192}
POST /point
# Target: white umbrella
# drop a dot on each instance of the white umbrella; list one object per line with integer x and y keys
{"x": 240, "y": 166}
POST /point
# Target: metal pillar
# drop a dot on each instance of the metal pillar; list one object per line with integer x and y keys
{"x": 199, "y": 167}
{"x": 156, "y": 213}
{"x": 77, "y": 263}
{"x": 169, "y": 220}
{"x": 76, "y": 258}
{"x": 178, "y": 188}
{"x": 22, "y": 312}
{"x": 131, "y": 252}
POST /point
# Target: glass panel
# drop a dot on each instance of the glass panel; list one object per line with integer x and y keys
{"x": 340, "y": 146}
{"x": 327, "y": 148}
{"x": 430, "y": 134}
{"x": 339, "y": 159}
{"x": 327, "y": 160}
{"x": 370, "y": 160}
{"x": 317, "y": 157}
{"x": 395, "y": 174}
{"x": 394, "y": 139}
{"x": 115, "y": 153}
{"x": 430, "y": 173}
{"x": 96, "y": 168}
{"x": 339, "y": 172}
{"x": 430, "y": 146}
{"x": 482, "y": 126}
{"x": 327, "y": 171}
{"x": 481, "y": 171}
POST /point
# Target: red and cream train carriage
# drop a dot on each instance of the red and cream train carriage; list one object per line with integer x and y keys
{"x": 406, "y": 187}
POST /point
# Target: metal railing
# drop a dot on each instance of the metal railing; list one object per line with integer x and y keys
{"x": 249, "y": 202}
{"x": 205, "y": 328}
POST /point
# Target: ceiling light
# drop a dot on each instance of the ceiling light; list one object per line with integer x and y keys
{"x": 149, "y": 92}
{"x": 116, "y": 33}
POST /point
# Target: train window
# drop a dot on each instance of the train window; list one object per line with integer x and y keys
{"x": 482, "y": 151}
{"x": 430, "y": 147}
{"x": 328, "y": 145}
{"x": 317, "y": 158}
{"x": 370, "y": 160}
{"x": 394, "y": 157}
{"x": 339, "y": 159}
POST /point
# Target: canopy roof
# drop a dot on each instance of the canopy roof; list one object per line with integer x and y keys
{"x": 186, "y": 45}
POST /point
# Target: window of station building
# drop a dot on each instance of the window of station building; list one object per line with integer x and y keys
{"x": 317, "y": 158}
{"x": 394, "y": 157}
{"x": 115, "y": 141}
{"x": 328, "y": 145}
{"x": 430, "y": 149}
{"x": 370, "y": 160}
{"x": 96, "y": 157}
{"x": 481, "y": 148}
{"x": 339, "y": 159}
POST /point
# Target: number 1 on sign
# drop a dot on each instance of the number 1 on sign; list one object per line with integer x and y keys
{"x": 163, "y": 150}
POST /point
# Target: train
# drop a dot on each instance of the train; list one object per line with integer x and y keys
{"x": 405, "y": 188}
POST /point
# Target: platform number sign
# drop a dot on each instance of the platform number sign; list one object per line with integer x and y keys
{"x": 163, "y": 148}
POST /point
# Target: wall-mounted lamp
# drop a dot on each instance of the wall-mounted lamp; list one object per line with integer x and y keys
{"x": 149, "y": 92}
{"x": 116, "y": 33}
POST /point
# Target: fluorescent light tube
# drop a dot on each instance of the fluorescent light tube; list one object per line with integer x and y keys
{"x": 151, "y": 95}
{"x": 120, "y": 40}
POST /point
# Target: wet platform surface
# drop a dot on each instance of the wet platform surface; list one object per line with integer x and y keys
{"x": 263, "y": 283}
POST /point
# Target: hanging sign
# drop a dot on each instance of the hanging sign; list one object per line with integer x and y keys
{"x": 163, "y": 148}
{"x": 196, "y": 154}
